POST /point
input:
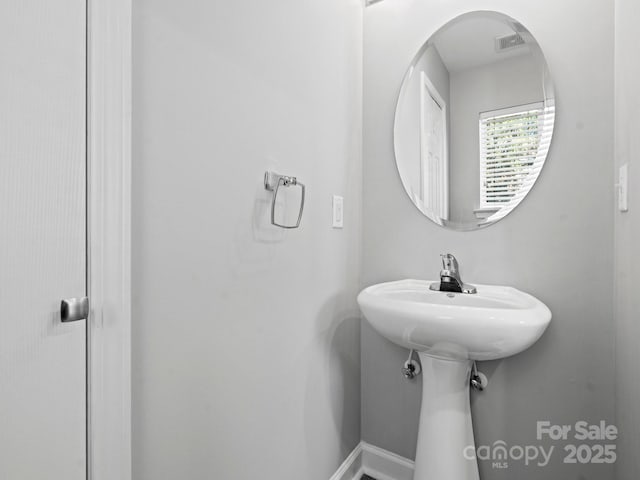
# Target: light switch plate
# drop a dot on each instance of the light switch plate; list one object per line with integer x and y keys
{"x": 623, "y": 188}
{"x": 338, "y": 211}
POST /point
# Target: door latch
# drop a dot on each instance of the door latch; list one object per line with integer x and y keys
{"x": 74, "y": 309}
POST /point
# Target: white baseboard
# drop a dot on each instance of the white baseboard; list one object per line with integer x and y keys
{"x": 384, "y": 465}
{"x": 351, "y": 468}
{"x": 375, "y": 462}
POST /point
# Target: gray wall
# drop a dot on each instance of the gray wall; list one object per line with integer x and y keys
{"x": 556, "y": 245}
{"x": 246, "y": 360}
{"x": 627, "y": 147}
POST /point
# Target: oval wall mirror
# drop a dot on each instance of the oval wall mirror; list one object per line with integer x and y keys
{"x": 474, "y": 121}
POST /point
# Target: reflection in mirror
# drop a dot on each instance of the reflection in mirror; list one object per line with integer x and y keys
{"x": 474, "y": 121}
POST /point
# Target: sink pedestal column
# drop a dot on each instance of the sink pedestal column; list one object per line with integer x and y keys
{"x": 445, "y": 433}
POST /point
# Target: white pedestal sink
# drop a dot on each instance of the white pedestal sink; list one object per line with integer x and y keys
{"x": 450, "y": 331}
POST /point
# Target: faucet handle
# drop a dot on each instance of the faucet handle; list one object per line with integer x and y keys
{"x": 449, "y": 262}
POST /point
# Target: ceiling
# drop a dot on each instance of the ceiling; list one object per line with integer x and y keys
{"x": 470, "y": 43}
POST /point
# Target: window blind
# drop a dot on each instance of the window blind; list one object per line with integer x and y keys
{"x": 513, "y": 147}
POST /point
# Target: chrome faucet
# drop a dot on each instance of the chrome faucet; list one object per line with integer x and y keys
{"x": 450, "y": 280}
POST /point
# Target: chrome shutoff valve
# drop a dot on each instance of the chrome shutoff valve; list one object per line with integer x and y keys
{"x": 479, "y": 380}
{"x": 411, "y": 368}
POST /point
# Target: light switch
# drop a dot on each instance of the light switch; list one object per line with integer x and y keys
{"x": 623, "y": 188}
{"x": 338, "y": 211}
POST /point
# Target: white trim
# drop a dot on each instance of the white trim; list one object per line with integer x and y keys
{"x": 376, "y": 462}
{"x": 385, "y": 465}
{"x": 507, "y": 111}
{"x": 351, "y": 468}
{"x": 109, "y": 245}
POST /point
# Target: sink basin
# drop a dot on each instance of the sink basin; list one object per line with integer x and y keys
{"x": 450, "y": 331}
{"x": 494, "y": 323}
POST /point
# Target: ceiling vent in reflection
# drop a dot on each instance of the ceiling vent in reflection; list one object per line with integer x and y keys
{"x": 505, "y": 43}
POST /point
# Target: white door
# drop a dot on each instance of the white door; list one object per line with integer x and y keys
{"x": 433, "y": 150}
{"x": 42, "y": 239}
